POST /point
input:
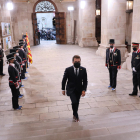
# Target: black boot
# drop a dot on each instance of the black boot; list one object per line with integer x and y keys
{"x": 133, "y": 94}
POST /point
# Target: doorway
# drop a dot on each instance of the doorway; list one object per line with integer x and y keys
{"x": 48, "y": 23}
{"x": 46, "y": 26}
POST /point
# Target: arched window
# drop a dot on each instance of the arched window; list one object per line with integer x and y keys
{"x": 44, "y": 6}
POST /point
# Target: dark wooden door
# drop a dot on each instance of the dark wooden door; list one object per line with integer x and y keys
{"x": 35, "y": 29}
{"x": 60, "y": 28}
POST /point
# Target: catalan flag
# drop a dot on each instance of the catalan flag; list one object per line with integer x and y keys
{"x": 29, "y": 49}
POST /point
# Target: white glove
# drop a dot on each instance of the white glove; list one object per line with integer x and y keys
{"x": 107, "y": 67}
{"x": 17, "y": 85}
{"x": 134, "y": 69}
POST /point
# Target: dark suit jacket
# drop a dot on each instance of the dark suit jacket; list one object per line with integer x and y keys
{"x": 78, "y": 83}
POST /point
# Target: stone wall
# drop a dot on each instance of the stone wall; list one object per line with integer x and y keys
{"x": 129, "y": 27}
{"x": 21, "y": 16}
{"x": 5, "y": 16}
{"x": 86, "y": 36}
{"x": 135, "y": 31}
{"x": 113, "y": 26}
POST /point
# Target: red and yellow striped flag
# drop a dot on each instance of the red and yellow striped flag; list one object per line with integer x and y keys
{"x": 29, "y": 49}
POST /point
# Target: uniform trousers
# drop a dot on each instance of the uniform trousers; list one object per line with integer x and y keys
{"x": 24, "y": 67}
{"x": 136, "y": 81}
{"x": 75, "y": 99}
{"x": 22, "y": 74}
{"x": 1, "y": 66}
{"x": 113, "y": 76}
{"x": 15, "y": 95}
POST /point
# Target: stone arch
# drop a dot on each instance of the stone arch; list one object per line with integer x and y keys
{"x": 50, "y": 1}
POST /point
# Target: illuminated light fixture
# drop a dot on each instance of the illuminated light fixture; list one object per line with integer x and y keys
{"x": 98, "y": 12}
{"x": 71, "y": 8}
{"x": 9, "y": 6}
{"x": 28, "y": 1}
{"x": 82, "y": 4}
{"x": 129, "y": 6}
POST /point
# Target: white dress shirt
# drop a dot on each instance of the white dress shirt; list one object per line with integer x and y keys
{"x": 112, "y": 50}
{"x": 12, "y": 64}
{"x": 75, "y": 71}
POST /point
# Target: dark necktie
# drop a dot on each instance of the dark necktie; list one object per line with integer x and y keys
{"x": 76, "y": 72}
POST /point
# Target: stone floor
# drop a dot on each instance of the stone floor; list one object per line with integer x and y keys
{"x": 47, "y": 115}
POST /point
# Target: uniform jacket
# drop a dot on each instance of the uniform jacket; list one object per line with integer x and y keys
{"x": 135, "y": 62}
{"x": 25, "y": 49}
{"x": 13, "y": 75}
{"x": 17, "y": 66}
{"x": 18, "y": 59}
{"x": 22, "y": 55}
{"x": 74, "y": 82}
{"x": 116, "y": 58}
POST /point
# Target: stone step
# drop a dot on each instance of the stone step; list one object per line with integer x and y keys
{"x": 113, "y": 117}
{"x": 62, "y": 136}
{"x": 135, "y": 135}
{"x": 69, "y": 127}
{"x": 61, "y": 120}
{"x": 92, "y": 134}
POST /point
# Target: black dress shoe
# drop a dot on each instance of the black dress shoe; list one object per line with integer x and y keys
{"x": 78, "y": 120}
{"x": 74, "y": 119}
{"x": 133, "y": 94}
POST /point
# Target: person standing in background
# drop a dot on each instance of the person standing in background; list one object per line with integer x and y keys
{"x": 135, "y": 64}
{"x": 38, "y": 36}
{"x": 1, "y": 61}
{"x": 13, "y": 81}
{"x": 113, "y": 63}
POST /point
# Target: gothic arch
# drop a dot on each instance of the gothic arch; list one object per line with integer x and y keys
{"x": 50, "y": 1}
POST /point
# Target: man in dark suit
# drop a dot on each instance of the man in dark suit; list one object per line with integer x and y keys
{"x": 76, "y": 78}
{"x": 113, "y": 63}
{"x": 1, "y": 61}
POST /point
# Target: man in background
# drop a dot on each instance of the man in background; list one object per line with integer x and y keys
{"x": 1, "y": 61}
{"x": 113, "y": 63}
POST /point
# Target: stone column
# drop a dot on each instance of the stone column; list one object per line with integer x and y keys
{"x": 113, "y": 24}
{"x": 86, "y": 33}
{"x": 135, "y": 32}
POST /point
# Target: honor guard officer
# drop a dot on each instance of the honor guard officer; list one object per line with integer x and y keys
{"x": 113, "y": 63}
{"x": 1, "y": 61}
{"x": 13, "y": 81}
{"x": 18, "y": 67}
{"x": 19, "y": 60}
{"x": 25, "y": 50}
{"x": 135, "y": 64}
{"x": 23, "y": 57}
